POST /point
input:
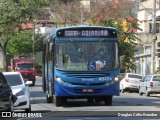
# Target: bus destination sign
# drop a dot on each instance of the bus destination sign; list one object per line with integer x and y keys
{"x": 87, "y": 33}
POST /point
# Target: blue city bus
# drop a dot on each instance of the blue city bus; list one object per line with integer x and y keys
{"x": 81, "y": 62}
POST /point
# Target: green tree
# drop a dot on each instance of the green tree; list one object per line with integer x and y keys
{"x": 127, "y": 41}
{"x": 113, "y": 16}
{"x": 22, "y": 43}
{"x": 110, "y": 13}
{"x": 12, "y": 14}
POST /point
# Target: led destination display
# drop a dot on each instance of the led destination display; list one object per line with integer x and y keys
{"x": 87, "y": 33}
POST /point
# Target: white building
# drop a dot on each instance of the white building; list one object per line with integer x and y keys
{"x": 143, "y": 54}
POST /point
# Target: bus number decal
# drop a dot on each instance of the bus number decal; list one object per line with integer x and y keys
{"x": 105, "y": 79}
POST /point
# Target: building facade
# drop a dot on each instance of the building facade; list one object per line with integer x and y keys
{"x": 143, "y": 54}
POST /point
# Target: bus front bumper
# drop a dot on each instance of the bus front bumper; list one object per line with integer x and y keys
{"x": 74, "y": 90}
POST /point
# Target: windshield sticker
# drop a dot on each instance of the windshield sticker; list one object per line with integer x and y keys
{"x": 92, "y": 66}
{"x": 99, "y": 65}
{"x": 76, "y": 67}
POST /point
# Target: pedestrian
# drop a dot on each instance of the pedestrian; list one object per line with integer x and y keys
{"x": 158, "y": 70}
{"x": 9, "y": 68}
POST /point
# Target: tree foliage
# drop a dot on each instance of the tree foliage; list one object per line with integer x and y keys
{"x": 22, "y": 43}
{"x": 71, "y": 12}
{"x": 20, "y": 11}
{"x": 112, "y": 14}
{"x": 12, "y": 14}
{"x": 127, "y": 41}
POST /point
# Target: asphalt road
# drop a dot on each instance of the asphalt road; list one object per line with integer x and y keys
{"x": 124, "y": 102}
{"x": 127, "y": 106}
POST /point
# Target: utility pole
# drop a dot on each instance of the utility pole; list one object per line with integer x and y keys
{"x": 33, "y": 39}
{"x": 153, "y": 36}
{"x": 81, "y": 15}
{"x": 81, "y": 7}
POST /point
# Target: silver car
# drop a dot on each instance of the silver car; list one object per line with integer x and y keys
{"x": 150, "y": 84}
{"x": 129, "y": 82}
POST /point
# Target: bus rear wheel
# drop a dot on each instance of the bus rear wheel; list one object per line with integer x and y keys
{"x": 108, "y": 100}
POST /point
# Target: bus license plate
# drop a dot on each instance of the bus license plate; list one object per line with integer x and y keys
{"x": 87, "y": 90}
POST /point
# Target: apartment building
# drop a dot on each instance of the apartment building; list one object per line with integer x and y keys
{"x": 143, "y": 54}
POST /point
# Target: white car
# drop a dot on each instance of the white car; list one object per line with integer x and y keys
{"x": 130, "y": 81}
{"x": 150, "y": 85}
{"x": 20, "y": 89}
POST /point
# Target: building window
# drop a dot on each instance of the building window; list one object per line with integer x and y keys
{"x": 157, "y": 27}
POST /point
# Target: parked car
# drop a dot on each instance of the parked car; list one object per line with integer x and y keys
{"x": 150, "y": 84}
{"x": 6, "y": 95}
{"x": 129, "y": 82}
{"x": 20, "y": 89}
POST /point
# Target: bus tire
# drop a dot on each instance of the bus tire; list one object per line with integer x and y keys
{"x": 90, "y": 100}
{"x": 49, "y": 99}
{"x": 108, "y": 100}
{"x": 58, "y": 101}
{"x": 98, "y": 99}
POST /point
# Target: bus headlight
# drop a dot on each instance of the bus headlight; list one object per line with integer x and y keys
{"x": 62, "y": 82}
{"x": 116, "y": 78}
{"x": 58, "y": 79}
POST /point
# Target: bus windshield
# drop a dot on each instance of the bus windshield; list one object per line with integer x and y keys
{"x": 87, "y": 56}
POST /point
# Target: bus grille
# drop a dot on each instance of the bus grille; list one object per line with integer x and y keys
{"x": 88, "y": 84}
{"x": 87, "y": 75}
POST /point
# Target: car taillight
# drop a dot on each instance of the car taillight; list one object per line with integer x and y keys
{"x": 151, "y": 84}
{"x": 127, "y": 80}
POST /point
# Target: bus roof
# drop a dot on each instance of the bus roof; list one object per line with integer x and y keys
{"x": 84, "y": 26}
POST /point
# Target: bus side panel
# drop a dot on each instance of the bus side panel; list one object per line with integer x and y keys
{"x": 43, "y": 70}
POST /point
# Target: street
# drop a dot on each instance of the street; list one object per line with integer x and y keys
{"x": 124, "y": 102}
{"x": 83, "y": 45}
{"x": 128, "y": 106}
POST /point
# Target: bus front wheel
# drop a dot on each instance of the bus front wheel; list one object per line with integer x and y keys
{"x": 90, "y": 100}
{"x": 49, "y": 99}
{"x": 60, "y": 101}
{"x": 108, "y": 100}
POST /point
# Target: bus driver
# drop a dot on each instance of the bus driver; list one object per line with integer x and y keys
{"x": 103, "y": 58}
